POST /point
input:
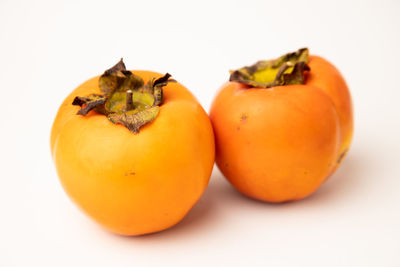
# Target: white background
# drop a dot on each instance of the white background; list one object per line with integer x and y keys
{"x": 47, "y": 48}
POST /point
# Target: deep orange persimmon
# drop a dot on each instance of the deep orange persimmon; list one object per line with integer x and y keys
{"x": 281, "y": 142}
{"x": 134, "y": 184}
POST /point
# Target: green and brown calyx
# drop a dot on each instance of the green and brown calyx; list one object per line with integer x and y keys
{"x": 125, "y": 99}
{"x": 285, "y": 70}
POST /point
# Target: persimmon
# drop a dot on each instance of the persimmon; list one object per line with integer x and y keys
{"x": 133, "y": 149}
{"x": 282, "y": 126}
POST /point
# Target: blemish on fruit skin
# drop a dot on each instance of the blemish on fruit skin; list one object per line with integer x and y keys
{"x": 129, "y": 173}
{"x": 226, "y": 164}
{"x": 341, "y": 157}
{"x": 243, "y": 119}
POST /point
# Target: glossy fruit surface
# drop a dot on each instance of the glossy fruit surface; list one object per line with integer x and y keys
{"x": 281, "y": 143}
{"x": 134, "y": 184}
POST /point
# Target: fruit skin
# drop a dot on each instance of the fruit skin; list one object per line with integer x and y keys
{"x": 280, "y": 144}
{"x": 135, "y": 184}
{"x": 328, "y": 79}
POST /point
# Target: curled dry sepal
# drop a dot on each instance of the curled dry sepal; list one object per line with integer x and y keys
{"x": 125, "y": 99}
{"x": 285, "y": 70}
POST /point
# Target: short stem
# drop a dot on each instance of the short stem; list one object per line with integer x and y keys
{"x": 281, "y": 70}
{"x": 129, "y": 101}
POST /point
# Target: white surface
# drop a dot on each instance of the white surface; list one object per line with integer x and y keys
{"x": 50, "y": 47}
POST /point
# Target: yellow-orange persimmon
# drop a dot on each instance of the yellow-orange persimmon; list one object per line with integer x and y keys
{"x": 134, "y": 184}
{"x": 282, "y": 127}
